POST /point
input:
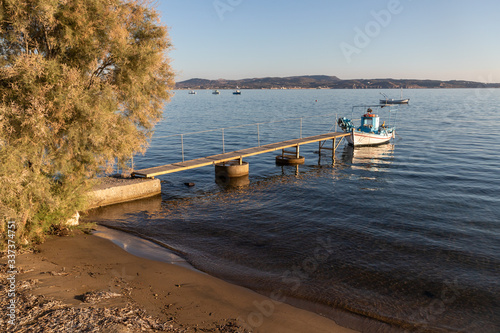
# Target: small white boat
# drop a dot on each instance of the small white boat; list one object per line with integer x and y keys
{"x": 394, "y": 101}
{"x": 390, "y": 101}
{"x": 192, "y": 92}
{"x": 216, "y": 92}
{"x": 369, "y": 133}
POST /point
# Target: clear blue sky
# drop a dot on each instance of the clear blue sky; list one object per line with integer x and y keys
{"x": 420, "y": 39}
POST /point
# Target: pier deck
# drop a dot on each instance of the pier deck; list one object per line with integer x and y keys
{"x": 235, "y": 155}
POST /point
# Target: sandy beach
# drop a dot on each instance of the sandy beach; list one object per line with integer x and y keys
{"x": 85, "y": 282}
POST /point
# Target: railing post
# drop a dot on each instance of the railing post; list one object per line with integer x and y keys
{"x": 223, "y": 147}
{"x": 182, "y": 146}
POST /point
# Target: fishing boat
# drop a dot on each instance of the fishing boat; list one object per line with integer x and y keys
{"x": 237, "y": 92}
{"x": 216, "y": 92}
{"x": 388, "y": 100}
{"x": 370, "y": 132}
{"x": 192, "y": 92}
{"x": 394, "y": 101}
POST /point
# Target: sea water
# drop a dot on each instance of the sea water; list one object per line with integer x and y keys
{"x": 403, "y": 236}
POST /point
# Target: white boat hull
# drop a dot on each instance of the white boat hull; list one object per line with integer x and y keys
{"x": 394, "y": 101}
{"x": 358, "y": 138}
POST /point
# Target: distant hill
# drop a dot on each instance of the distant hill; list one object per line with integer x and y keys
{"x": 326, "y": 82}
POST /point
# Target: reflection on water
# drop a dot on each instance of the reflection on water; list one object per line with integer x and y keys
{"x": 370, "y": 158}
{"x": 148, "y": 205}
{"x": 232, "y": 182}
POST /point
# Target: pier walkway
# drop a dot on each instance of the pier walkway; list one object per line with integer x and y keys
{"x": 240, "y": 154}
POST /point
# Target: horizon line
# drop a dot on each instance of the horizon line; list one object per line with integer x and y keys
{"x": 326, "y": 75}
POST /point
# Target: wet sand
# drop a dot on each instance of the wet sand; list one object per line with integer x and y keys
{"x": 95, "y": 278}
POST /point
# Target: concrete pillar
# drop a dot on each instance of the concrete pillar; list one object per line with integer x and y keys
{"x": 232, "y": 169}
{"x": 289, "y": 160}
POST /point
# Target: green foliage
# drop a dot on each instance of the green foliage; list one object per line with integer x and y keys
{"x": 82, "y": 84}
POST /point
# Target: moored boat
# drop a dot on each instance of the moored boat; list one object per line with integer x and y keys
{"x": 394, "y": 101}
{"x": 390, "y": 101}
{"x": 216, "y": 92}
{"x": 369, "y": 133}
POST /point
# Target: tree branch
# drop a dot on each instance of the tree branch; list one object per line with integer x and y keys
{"x": 99, "y": 71}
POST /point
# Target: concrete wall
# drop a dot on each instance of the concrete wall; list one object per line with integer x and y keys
{"x": 115, "y": 190}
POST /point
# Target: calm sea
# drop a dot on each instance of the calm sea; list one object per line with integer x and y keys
{"x": 404, "y": 236}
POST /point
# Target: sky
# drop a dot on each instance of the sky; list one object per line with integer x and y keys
{"x": 400, "y": 39}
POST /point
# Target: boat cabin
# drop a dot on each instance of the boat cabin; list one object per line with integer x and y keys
{"x": 370, "y": 122}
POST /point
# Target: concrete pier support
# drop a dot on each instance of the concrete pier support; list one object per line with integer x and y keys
{"x": 231, "y": 169}
{"x": 112, "y": 190}
{"x": 280, "y": 160}
{"x": 290, "y": 157}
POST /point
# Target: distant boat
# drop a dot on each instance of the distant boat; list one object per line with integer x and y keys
{"x": 370, "y": 133}
{"x": 388, "y": 100}
{"x": 216, "y": 92}
{"x": 236, "y": 92}
{"x": 192, "y": 92}
{"x": 394, "y": 101}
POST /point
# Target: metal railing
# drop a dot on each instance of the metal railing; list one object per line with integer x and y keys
{"x": 304, "y": 125}
{"x": 257, "y": 132}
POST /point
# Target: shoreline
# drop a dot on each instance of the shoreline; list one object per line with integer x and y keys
{"x": 67, "y": 269}
{"x": 140, "y": 247}
{"x": 149, "y": 249}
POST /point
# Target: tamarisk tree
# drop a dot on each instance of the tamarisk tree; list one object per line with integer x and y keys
{"x": 82, "y": 84}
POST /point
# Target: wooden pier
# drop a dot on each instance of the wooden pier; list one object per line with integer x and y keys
{"x": 240, "y": 154}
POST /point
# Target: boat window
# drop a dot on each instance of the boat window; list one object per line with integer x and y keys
{"x": 367, "y": 122}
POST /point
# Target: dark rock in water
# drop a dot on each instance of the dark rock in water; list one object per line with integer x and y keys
{"x": 189, "y": 184}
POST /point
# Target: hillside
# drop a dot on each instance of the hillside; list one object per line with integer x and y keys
{"x": 324, "y": 81}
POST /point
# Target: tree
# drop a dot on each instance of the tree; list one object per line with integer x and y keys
{"x": 82, "y": 84}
